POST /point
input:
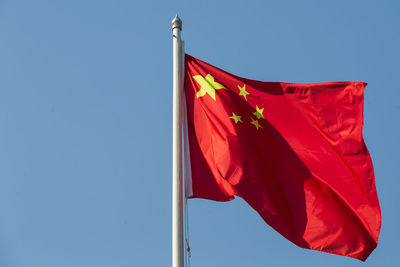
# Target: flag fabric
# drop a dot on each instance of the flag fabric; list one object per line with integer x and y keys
{"x": 293, "y": 151}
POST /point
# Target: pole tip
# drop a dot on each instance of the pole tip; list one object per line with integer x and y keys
{"x": 177, "y": 23}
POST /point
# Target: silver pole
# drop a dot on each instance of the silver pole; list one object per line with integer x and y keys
{"x": 177, "y": 202}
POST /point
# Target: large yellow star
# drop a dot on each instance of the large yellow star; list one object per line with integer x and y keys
{"x": 259, "y": 112}
{"x": 243, "y": 91}
{"x": 255, "y": 123}
{"x": 207, "y": 85}
{"x": 236, "y": 118}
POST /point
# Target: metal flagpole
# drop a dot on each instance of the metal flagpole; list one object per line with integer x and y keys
{"x": 177, "y": 202}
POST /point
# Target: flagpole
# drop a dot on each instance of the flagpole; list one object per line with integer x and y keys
{"x": 177, "y": 202}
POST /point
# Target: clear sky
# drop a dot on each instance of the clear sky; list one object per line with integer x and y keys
{"x": 86, "y": 122}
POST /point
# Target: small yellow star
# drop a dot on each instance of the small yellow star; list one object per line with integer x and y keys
{"x": 259, "y": 112}
{"x": 255, "y": 123}
{"x": 236, "y": 118}
{"x": 243, "y": 91}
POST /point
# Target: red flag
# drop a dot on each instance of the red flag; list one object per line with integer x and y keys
{"x": 294, "y": 152}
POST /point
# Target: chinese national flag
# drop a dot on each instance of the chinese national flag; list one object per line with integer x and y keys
{"x": 294, "y": 152}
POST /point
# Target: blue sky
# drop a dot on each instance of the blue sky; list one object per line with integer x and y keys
{"x": 86, "y": 116}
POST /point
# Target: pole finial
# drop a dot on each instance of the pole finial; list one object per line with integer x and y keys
{"x": 177, "y": 23}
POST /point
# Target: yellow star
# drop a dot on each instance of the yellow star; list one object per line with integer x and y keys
{"x": 207, "y": 85}
{"x": 255, "y": 123}
{"x": 243, "y": 91}
{"x": 259, "y": 112}
{"x": 236, "y": 118}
